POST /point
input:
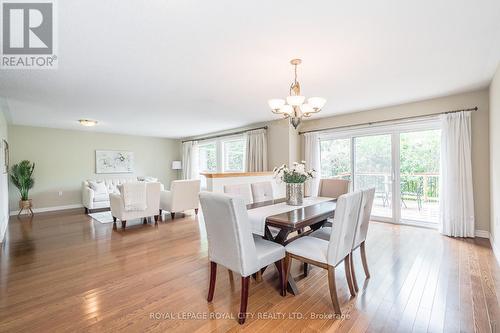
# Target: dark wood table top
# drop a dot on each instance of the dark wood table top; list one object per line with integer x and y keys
{"x": 300, "y": 217}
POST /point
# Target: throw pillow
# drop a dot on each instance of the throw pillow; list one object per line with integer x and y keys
{"x": 98, "y": 187}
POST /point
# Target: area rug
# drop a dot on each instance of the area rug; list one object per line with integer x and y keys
{"x": 102, "y": 217}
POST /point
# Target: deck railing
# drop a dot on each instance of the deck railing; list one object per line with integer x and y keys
{"x": 413, "y": 185}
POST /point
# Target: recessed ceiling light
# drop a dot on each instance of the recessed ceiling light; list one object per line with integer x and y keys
{"x": 87, "y": 122}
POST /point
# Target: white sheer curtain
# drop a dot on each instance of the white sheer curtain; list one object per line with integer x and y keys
{"x": 457, "y": 199}
{"x": 256, "y": 153}
{"x": 190, "y": 160}
{"x": 312, "y": 158}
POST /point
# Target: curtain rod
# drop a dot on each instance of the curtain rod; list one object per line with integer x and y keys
{"x": 388, "y": 120}
{"x": 228, "y": 134}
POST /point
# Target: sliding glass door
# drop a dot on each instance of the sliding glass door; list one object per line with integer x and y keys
{"x": 373, "y": 168}
{"x": 419, "y": 175}
{"x": 401, "y": 162}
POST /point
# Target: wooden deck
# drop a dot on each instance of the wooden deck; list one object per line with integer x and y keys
{"x": 64, "y": 272}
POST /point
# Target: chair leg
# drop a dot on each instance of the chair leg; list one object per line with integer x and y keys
{"x": 244, "y": 299}
{"x": 362, "y": 251}
{"x": 196, "y": 211}
{"x": 124, "y": 224}
{"x": 114, "y": 219}
{"x": 159, "y": 211}
{"x": 347, "y": 268}
{"x": 114, "y": 225}
{"x": 286, "y": 270}
{"x": 280, "y": 267}
{"x": 145, "y": 221}
{"x": 230, "y": 273}
{"x": 86, "y": 210}
{"x": 353, "y": 273}
{"x": 172, "y": 215}
{"x": 213, "y": 275}
{"x": 306, "y": 269}
{"x": 156, "y": 218}
{"x": 333, "y": 290}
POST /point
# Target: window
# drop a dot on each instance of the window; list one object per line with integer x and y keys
{"x": 234, "y": 155}
{"x": 336, "y": 158}
{"x": 223, "y": 155}
{"x": 208, "y": 157}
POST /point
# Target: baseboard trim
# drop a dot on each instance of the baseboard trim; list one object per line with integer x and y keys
{"x": 48, "y": 209}
{"x": 482, "y": 234}
{"x": 496, "y": 249}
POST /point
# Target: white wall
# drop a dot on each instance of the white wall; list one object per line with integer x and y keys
{"x": 495, "y": 162}
{"x": 64, "y": 158}
{"x": 4, "y": 179}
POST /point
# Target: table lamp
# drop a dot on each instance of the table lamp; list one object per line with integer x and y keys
{"x": 177, "y": 165}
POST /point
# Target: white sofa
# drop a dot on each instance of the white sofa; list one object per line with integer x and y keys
{"x": 92, "y": 200}
{"x": 119, "y": 211}
{"x": 183, "y": 195}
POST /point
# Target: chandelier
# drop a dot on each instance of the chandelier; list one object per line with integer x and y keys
{"x": 295, "y": 107}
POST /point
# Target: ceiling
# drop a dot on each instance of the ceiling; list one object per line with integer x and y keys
{"x": 182, "y": 68}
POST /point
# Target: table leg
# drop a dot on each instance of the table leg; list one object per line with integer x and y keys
{"x": 292, "y": 286}
{"x": 318, "y": 225}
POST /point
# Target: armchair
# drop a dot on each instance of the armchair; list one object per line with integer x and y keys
{"x": 152, "y": 206}
{"x": 183, "y": 195}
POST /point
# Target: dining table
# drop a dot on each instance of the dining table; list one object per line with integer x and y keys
{"x": 282, "y": 223}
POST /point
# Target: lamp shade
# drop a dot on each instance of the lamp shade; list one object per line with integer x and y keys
{"x": 295, "y": 100}
{"x": 176, "y": 165}
{"x": 288, "y": 109}
{"x": 306, "y": 108}
{"x": 276, "y": 104}
{"x": 316, "y": 102}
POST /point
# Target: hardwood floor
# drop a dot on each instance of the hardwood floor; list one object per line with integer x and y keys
{"x": 64, "y": 272}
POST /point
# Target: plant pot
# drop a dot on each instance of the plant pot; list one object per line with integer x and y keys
{"x": 25, "y": 204}
{"x": 294, "y": 194}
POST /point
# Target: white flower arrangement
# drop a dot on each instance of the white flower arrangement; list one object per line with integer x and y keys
{"x": 296, "y": 174}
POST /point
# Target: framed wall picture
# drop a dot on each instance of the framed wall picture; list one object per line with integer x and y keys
{"x": 5, "y": 151}
{"x": 114, "y": 161}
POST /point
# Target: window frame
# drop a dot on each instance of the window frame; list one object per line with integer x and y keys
{"x": 220, "y": 153}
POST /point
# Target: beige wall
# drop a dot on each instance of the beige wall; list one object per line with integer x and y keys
{"x": 4, "y": 179}
{"x": 495, "y": 160}
{"x": 480, "y": 136}
{"x": 64, "y": 158}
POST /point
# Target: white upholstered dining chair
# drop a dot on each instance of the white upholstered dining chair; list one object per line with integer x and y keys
{"x": 361, "y": 233}
{"x": 329, "y": 254}
{"x": 242, "y": 190}
{"x": 333, "y": 187}
{"x": 262, "y": 191}
{"x": 231, "y": 244}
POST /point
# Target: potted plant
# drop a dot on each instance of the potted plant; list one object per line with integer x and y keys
{"x": 294, "y": 178}
{"x": 21, "y": 176}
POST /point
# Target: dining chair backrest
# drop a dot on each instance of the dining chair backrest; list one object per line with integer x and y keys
{"x": 365, "y": 212}
{"x": 344, "y": 227}
{"x": 242, "y": 190}
{"x": 333, "y": 188}
{"x": 230, "y": 240}
{"x": 262, "y": 191}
